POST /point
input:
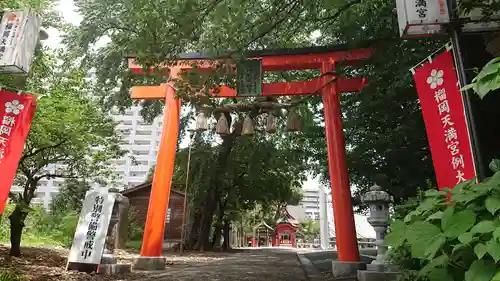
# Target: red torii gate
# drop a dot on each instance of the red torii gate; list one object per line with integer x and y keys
{"x": 328, "y": 85}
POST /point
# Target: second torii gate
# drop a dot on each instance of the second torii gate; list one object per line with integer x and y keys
{"x": 328, "y": 85}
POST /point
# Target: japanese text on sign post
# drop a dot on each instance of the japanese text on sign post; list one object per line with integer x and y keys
{"x": 90, "y": 235}
{"x": 95, "y": 216}
{"x": 443, "y": 112}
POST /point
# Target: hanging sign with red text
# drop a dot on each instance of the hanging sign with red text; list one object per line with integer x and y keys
{"x": 16, "y": 114}
{"x": 444, "y": 117}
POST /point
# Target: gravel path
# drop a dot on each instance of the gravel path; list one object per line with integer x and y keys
{"x": 246, "y": 265}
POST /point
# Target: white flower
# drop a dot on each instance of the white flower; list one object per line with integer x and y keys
{"x": 13, "y": 107}
{"x": 436, "y": 78}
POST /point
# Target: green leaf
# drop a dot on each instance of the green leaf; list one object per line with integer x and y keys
{"x": 480, "y": 270}
{"x": 397, "y": 233}
{"x": 480, "y": 250}
{"x": 495, "y": 165}
{"x": 436, "y": 262}
{"x": 492, "y": 67}
{"x": 454, "y": 224}
{"x": 435, "y": 193}
{"x": 493, "y": 247}
{"x": 447, "y": 214}
{"x": 467, "y": 87}
{"x": 436, "y": 216}
{"x": 496, "y": 233}
{"x": 457, "y": 249}
{"x": 425, "y": 239}
{"x": 466, "y": 238}
{"x": 439, "y": 274}
{"x": 483, "y": 227}
{"x": 466, "y": 197}
{"x": 496, "y": 277}
{"x": 492, "y": 204}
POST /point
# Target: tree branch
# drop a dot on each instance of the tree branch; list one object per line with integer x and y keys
{"x": 31, "y": 154}
{"x": 282, "y": 18}
{"x": 55, "y": 175}
{"x": 339, "y": 11}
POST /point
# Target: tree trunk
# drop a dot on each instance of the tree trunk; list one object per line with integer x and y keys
{"x": 210, "y": 205}
{"x": 218, "y": 227}
{"x": 192, "y": 237}
{"x": 226, "y": 233}
{"x": 17, "y": 219}
{"x": 206, "y": 222}
{"x": 18, "y": 216}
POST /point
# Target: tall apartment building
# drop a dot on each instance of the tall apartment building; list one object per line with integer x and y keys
{"x": 141, "y": 141}
{"x": 310, "y": 202}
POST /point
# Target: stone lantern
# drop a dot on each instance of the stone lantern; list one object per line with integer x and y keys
{"x": 378, "y": 202}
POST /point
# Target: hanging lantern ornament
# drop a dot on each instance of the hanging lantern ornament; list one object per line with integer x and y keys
{"x": 222, "y": 127}
{"x": 237, "y": 128}
{"x": 293, "y": 121}
{"x": 247, "y": 129}
{"x": 202, "y": 121}
{"x": 271, "y": 123}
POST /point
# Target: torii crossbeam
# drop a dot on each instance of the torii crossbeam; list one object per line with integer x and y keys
{"x": 328, "y": 85}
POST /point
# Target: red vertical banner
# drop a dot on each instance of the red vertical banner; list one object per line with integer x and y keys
{"x": 16, "y": 114}
{"x": 444, "y": 117}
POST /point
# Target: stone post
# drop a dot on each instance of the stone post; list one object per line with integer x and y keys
{"x": 323, "y": 218}
{"x": 108, "y": 256}
{"x": 108, "y": 261}
{"x": 121, "y": 228}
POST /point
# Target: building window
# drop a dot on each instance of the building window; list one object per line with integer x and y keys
{"x": 140, "y": 163}
{"x": 140, "y": 152}
{"x": 142, "y": 133}
{"x": 142, "y": 142}
{"x": 143, "y": 123}
{"x": 120, "y": 162}
{"x": 137, "y": 174}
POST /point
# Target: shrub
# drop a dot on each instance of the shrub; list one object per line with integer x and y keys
{"x": 456, "y": 239}
{"x": 42, "y": 227}
{"x": 9, "y": 275}
{"x": 135, "y": 230}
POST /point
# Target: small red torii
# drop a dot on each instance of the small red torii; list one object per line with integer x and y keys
{"x": 328, "y": 85}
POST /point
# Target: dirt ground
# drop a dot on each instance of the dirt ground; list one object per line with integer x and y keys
{"x": 48, "y": 264}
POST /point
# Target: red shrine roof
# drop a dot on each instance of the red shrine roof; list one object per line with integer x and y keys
{"x": 292, "y": 215}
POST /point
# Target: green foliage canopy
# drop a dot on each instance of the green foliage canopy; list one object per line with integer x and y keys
{"x": 384, "y": 130}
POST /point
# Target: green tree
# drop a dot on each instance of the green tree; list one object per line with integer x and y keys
{"x": 70, "y": 197}
{"x": 385, "y": 134}
{"x": 224, "y": 186}
{"x": 70, "y": 137}
{"x": 310, "y": 229}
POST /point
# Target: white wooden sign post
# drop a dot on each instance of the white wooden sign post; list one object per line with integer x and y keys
{"x": 91, "y": 232}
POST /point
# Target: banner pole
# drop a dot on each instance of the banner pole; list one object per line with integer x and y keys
{"x": 454, "y": 33}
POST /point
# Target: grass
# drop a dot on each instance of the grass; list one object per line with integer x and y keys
{"x": 135, "y": 245}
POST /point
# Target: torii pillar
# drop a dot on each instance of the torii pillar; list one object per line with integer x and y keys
{"x": 328, "y": 85}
